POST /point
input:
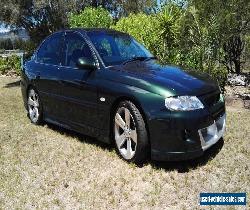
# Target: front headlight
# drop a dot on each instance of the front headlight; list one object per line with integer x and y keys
{"x": 183, "y": 103}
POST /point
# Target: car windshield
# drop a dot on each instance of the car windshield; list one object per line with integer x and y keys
{"x": 118, "y": 48}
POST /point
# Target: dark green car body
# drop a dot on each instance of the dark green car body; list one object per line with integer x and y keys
{"x": 85, "y": 100}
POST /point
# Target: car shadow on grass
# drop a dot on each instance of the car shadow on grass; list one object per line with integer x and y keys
{"x": 12, "y": 84}
{"x": 186, "y": 166}
{"x": 79, "y": 136}
{"x": 180, "y": 166}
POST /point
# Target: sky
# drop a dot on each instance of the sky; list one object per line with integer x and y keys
{"x": 4, "y": 29}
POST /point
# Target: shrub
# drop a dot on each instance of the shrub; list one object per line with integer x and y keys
{"x": 10, "y": 64}
{"x": 218, "y": 73}
{"x": 91, "y": 17}
{"x": 27, "y": 46}
{"x": 174, "y": 35}
{"x": 143, "y": 28}
{"x": 158, "y": 32}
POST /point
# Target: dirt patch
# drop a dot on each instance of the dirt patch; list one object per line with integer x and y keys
{"x": 237, "y": 97}
{"x": 10, "y": 73}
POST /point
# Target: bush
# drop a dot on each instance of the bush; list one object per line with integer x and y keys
{"x": 91, "y": 17}
{"x": 143, "y": 28}
{"x": 158, "y": 32}
{"x": 10, "y": 64}
{"x": 27, "y": 46}
{"x": 218, "y": 73}
{"x": 174, "y": 35}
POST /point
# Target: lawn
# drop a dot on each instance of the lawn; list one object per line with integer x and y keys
{"x": 48, "y": 167}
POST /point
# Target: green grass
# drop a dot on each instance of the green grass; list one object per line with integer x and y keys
{"x": 47, "y": 167}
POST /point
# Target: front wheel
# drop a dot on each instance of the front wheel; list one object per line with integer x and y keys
{"x": 130, "y": 133}
{"x": 34, "y": 107}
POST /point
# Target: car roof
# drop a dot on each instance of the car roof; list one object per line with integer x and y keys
{"x": 96, "y": 30}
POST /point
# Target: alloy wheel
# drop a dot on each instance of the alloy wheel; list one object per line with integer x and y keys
{"x": 33, "y": 106}
{"x": 125, "y": 133}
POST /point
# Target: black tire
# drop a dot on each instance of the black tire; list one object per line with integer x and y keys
{"x": 142, "y": 148}
{"x": 39, "y": 119}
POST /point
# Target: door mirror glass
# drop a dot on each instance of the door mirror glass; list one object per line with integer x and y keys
{"x": 86, "y": 63}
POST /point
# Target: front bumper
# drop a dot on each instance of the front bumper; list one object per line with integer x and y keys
{"x": 182, "y": 136}
{"x": 211, "y": 134}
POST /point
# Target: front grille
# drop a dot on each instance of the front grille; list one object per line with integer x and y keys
{"x": 211, "y": 98}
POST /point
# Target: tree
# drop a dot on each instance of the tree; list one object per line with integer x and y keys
{"x": 6, "y": 44}
{"x": 126, "y": 7}
{"x": 39, "y": 18}
{"x": 91, "y": 17}
{"x": 233, "y": 18}
{"x": 42, "y": 17}
{"x": 122, "y": 8}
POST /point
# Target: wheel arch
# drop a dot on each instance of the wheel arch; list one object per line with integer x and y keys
{"x": 29, "y": 86}
{"x": 138, "y": 106}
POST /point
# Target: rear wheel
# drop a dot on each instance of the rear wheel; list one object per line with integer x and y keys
{"x": 34, "y": 107}
{"x": 130, "y": 134}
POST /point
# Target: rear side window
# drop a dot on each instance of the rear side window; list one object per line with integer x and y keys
{"x": 50, "y": 50}
{"x": 76, "y": 47}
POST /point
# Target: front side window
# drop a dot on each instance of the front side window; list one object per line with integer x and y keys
{"x": 76, "y": 47}
{"x": 116, "y": 48}
{"x": 50, "y": 50}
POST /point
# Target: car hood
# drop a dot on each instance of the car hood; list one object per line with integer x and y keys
{"x": 164, "y": 80}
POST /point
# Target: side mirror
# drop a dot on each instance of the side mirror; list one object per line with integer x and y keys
{"x": 86, "y": 63}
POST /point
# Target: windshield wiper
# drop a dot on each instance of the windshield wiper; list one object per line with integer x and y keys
{"x": 139, "y": 58}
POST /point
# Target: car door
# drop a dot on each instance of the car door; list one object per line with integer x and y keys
{"x": 47, "y": 70}
{"x": 79, "y": 85}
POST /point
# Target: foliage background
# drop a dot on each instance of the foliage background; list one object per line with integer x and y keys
{"x": 91, "y": 17}
{"x": 210, "y": 36}
{"x": 10, "y": 64}
{"x": 173, "y": 34}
